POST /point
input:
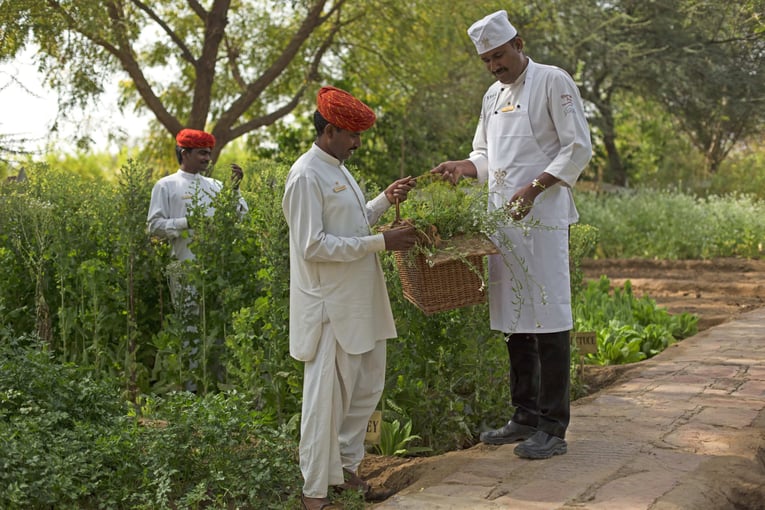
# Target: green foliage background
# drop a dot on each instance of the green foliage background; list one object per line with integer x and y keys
{"x": 415, "y": 65}
{"x": 84, "y": 307}
{"x": 92, "y": 352}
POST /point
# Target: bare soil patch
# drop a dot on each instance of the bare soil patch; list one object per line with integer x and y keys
{"x": 715, "y": 290}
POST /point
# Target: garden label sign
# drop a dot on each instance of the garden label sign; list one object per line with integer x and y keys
{"x": 373, "y": 428}
{"x": 586, "y": 342}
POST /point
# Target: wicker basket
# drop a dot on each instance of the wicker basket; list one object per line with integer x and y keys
{"x": 452, "y": 278}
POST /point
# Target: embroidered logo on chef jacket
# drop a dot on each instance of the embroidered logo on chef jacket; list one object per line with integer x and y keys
{"x": 339, "y": 187}
{"x": 499, "y": 176}
{"x": 567, "y": 103}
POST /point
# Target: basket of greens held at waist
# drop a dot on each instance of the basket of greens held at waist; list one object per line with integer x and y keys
{"x": 446, "y": 269}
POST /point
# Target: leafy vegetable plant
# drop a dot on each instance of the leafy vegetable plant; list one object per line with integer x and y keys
{"x": 628, "y": 328}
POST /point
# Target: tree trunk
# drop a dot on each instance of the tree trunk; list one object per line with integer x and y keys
{"x": 616, "y": 172}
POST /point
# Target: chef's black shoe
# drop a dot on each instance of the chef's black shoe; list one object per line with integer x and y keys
{"x": 541, "y": 446}
{"x": 510, "y": 433}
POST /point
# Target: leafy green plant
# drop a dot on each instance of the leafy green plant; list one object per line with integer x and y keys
{"x": 628, "y": 328}
{"x": 618, "y": 346}
{"x": 63, "y": 434}
{"x": 442, "y": 211}
{"x": 452, "y": 210}
{"x": 668, "y": 224}
{"x": 396, "y": 433}
{"x": 583, "y": 240}
{"x": 69, "y": 441}
{"x": 395, "y": 438}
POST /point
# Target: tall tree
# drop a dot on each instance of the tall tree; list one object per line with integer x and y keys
{"x": 600, "y": 44}
{"x": 231, "y": 68}
{"x": 704, "y": 63}
{"x": 711, "y": 76}
{"x": 418, "y": 69}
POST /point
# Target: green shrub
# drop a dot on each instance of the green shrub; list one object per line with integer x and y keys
{"x": 68, "y": 441}
{"x": 396, "y": 434}
{"x": 674, "y": 225}
{"x": 63, "y": 435}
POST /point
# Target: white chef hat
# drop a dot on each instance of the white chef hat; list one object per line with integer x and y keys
{"x": 491, "y": 32}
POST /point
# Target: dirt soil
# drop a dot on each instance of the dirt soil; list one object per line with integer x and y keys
{"x": 714, "y": 290}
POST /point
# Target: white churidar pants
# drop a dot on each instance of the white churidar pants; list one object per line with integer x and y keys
{"x": 340, "y": 392}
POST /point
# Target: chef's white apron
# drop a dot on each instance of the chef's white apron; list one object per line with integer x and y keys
{"x": 529, "y": 281}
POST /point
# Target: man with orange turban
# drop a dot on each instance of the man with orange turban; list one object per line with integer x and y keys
{"x": 171, "y": 199}
{"x": 340, "y": 314}
{"x": 173, "y": 194}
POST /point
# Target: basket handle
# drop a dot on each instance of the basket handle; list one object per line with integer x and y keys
{"x": 398, "y": 213}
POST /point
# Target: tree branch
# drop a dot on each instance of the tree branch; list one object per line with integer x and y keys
{"x": 74, "y": 25}
{"x": 198, "y": 9}
{"x": 233, "y": 61}
{"x": 185, "y": 52}
{"x": 267, "y": 119}
{"x": 310, "y": 75}
{"x": 215, "y": 28}
{"x": 124, "y": 53}
{"x": 312, "y": 20}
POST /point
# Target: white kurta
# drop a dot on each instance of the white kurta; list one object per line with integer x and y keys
{"x": 340, "y": 313}
{"x": 534, "y": 125}
{"x": 171, "y": 197}
{"x": 335, "y": 273}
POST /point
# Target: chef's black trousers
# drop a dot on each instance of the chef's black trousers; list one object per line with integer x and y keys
{"x": 539, "y": 380}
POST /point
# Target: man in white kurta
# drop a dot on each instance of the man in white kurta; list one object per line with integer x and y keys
{"x": 171, "y": 199}
{"x": 174, "y": 194}
{"x": 531, "y": 144}
{"x": 340, "y": 314}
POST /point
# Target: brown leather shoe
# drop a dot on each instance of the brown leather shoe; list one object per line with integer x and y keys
{"x": 318, "y": 503}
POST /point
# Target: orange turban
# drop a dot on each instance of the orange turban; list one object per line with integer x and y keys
{"x": 194, "y": 139}
{"x": 343, "y": 110}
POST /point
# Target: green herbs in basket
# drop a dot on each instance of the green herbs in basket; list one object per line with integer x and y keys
{"x": 445, "y": 270}
{"x": 454, "y": 220}
{"x": 441, "y": 211}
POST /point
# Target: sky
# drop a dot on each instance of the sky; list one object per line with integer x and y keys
{"x": 30, "y": 109}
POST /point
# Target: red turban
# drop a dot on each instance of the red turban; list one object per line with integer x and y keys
{"x": 343, "y": 110}
{"x": 194, "y": 139}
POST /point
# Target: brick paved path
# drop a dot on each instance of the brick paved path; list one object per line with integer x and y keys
{"x": 685, "y": 429}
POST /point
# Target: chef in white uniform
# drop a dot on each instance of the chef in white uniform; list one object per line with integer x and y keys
{"x": 340, "y": 314}
{"x": 531, "y": 144}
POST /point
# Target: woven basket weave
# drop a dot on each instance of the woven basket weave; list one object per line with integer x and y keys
{"x": 453, "y": 278}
